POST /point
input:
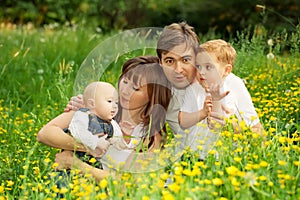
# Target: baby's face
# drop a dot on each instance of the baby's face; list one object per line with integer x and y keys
{"x": 210, "y": 71}
{"x": 106, "y": 103}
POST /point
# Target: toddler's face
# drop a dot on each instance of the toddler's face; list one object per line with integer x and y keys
{"x": 106, "y": 103}
{"x": 210, "y": 71}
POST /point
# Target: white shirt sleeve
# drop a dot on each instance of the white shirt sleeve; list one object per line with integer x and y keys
{"x": 245, "y": 109}
{"x": 79, "y": 130}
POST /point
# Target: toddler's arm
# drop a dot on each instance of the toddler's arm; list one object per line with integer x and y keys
{"x": 186, "y": 120}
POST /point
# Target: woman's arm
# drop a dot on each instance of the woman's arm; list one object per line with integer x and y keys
{"x": 66, "y": 159}
{"x": 52, "y": 134}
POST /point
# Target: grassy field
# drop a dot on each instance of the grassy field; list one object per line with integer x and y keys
{"x": 37, "y": 71}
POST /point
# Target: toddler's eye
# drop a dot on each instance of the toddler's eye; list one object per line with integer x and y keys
{"x": 208, "y": 67}
{"x": 199, "y": 67}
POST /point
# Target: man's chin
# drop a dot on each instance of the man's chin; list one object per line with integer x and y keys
{"x": 181, "y": 85}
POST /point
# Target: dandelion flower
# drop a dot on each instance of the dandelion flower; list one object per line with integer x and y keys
{"x": 270, "y": 56}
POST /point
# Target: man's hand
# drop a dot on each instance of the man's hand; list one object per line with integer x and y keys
{"x": 75, "y": 103}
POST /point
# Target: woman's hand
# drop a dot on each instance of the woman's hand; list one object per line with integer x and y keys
{"x": 75, "y": 103}
{"x": 64, "y": 159}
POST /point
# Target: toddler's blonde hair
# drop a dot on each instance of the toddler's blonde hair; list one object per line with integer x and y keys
{"x": 223, "y": 50}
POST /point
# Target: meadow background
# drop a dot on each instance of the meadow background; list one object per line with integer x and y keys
{"x": 38, "y": 66}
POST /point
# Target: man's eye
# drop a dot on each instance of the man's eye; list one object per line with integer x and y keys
{"x": 169, "y": 61}
{"x": 186, "y": 60}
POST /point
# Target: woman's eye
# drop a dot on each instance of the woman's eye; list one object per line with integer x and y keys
{"x": 136, "y": 88}
{"x": 125, "y": 81}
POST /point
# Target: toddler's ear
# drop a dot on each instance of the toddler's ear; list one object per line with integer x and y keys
{"x": 228, "y": 69}
{"x": 91, "y": 103}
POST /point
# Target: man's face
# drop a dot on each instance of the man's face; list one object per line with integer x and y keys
{"x": 179, "y": 65}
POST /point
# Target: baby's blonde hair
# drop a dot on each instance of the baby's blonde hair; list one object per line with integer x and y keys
{"x": 223, "y": 50}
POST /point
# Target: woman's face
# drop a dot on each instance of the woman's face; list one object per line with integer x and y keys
{"x": 132, "y": 96}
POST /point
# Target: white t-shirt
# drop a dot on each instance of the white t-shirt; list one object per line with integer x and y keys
{"x": 115, "y": 156}
{"x": 79, "y": 128}
{"x": 244, "y": 106}
{"x": 200, "y": 136}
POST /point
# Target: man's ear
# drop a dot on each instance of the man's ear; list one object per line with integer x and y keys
{"x": 91, "y": 103}
{"x": 159, "y": 62}
{"x": 228, "y": 69}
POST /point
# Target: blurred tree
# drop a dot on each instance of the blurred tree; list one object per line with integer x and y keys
{"x": 224, "y": 17}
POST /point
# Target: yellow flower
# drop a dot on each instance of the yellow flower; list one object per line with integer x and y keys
{"x": 217, "y": 181}
{"x": 47, "y": 160}
{"x": 1, "y": 189}
{"x": 103, "y": 183}
{"x": 237, "y": 159}
{"x": 174, "y": 187}
{"x": 232, "y": 170}
{"x": 10, "y": 183}
{"x": 262, "y": 178}
{"x": 92, "y": 160}
{"x": 263, "y": 164}
{"x": 145, "y": 198}
{"x": 297, "y": 163}
{"x": 282, "y": 163}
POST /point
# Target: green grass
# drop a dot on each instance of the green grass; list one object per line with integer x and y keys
{"x": 37, "y": 71}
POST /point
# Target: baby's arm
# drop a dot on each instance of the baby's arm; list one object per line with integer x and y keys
{"x": 79, "y": 130}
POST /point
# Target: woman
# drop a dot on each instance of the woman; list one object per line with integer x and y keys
{"x": 144, "y": 96}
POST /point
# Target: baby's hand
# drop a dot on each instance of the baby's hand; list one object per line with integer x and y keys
{"x": 75, "y": 103}
{"x": 101, "y": 147}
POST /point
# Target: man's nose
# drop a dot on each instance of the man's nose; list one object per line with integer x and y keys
{"x": 178, "y": 66}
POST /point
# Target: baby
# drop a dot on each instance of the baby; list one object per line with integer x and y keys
{"x": 93, "y": 125}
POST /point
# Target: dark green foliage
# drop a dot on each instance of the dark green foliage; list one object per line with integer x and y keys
{"x": 225, "y": 17}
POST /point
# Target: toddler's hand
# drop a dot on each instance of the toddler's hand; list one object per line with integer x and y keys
{"x": 207, "y": 107}
{"x": 216, "y": 93}
{"x": 75, "y": 103}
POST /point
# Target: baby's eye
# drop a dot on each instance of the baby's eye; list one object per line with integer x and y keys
{"x": 109, "y": 101}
